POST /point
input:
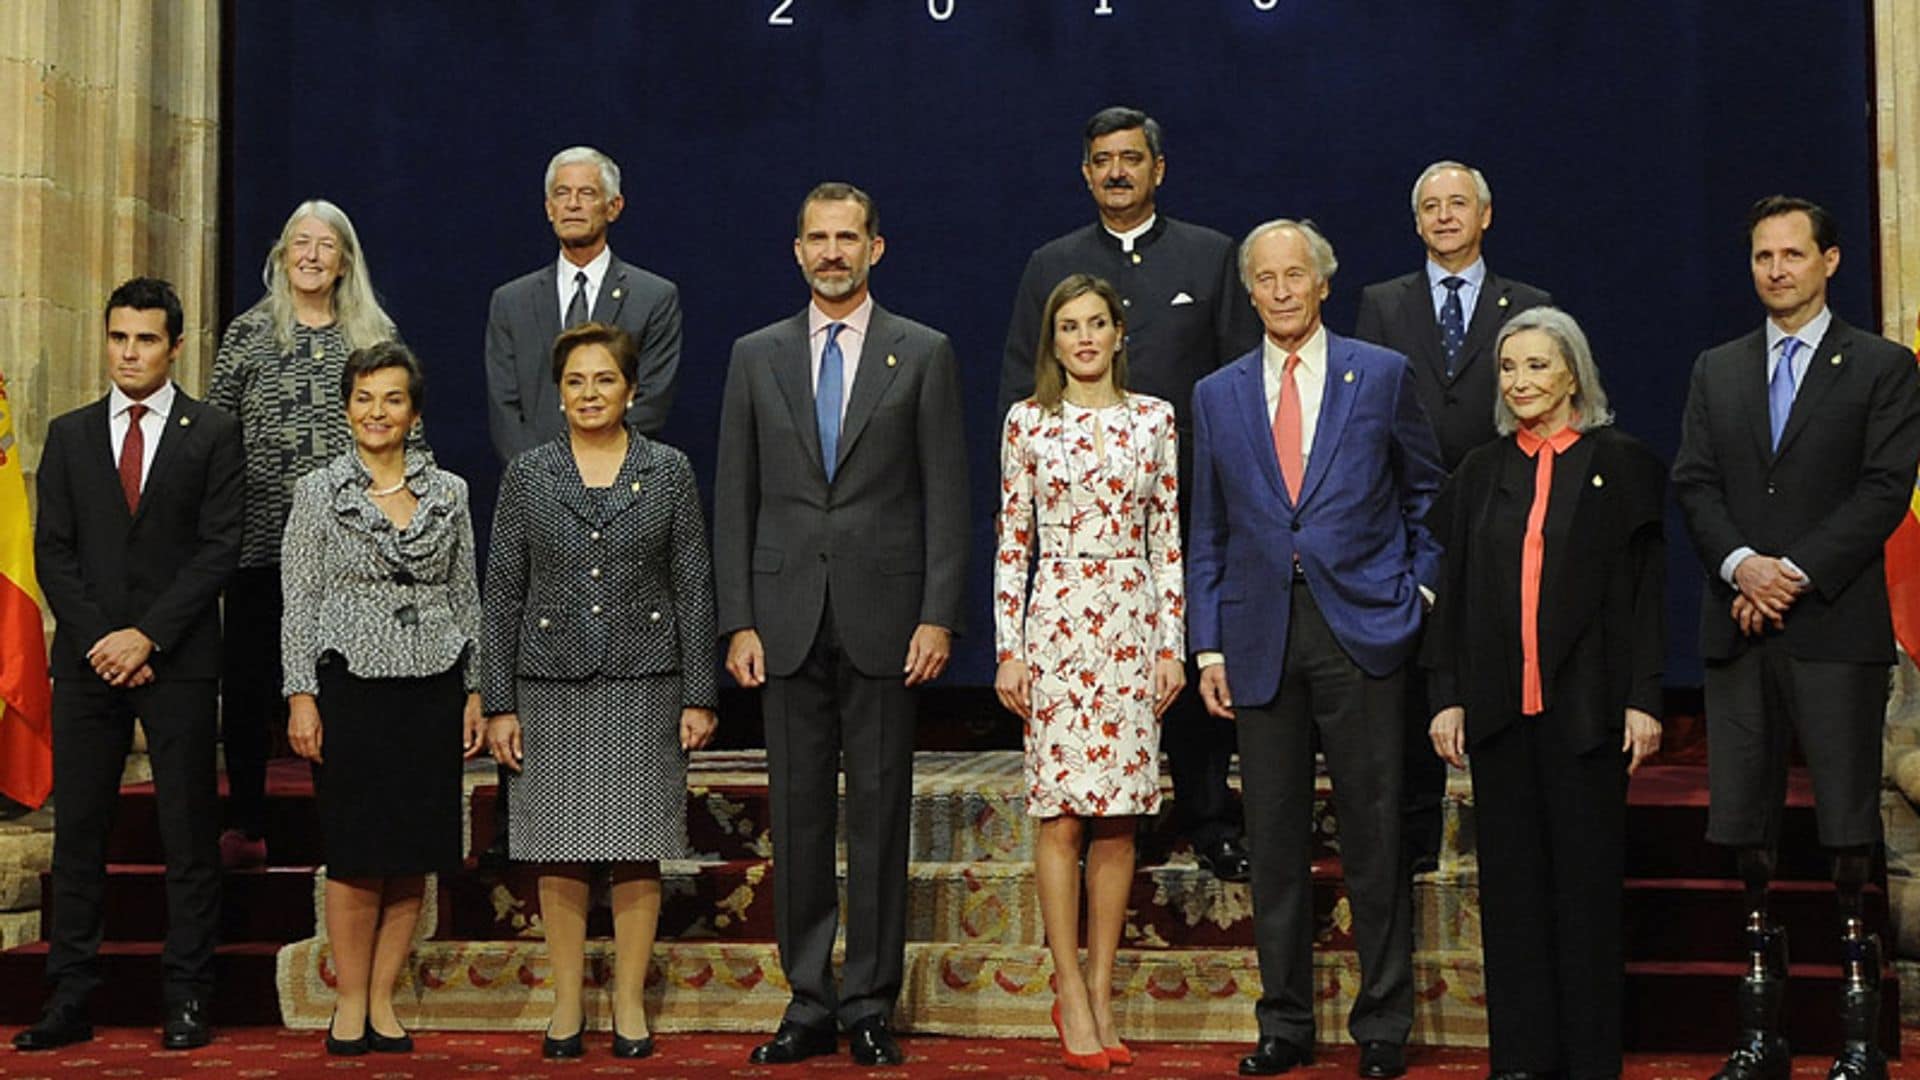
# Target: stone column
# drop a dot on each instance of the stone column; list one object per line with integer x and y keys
{"x": 109, "y": 169}
{"x": 1896, "y": 64}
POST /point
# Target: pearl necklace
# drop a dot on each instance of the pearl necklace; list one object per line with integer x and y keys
{"x": 381, "y": 493}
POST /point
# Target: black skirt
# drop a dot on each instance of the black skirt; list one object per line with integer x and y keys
{"x": 389, "y": 790}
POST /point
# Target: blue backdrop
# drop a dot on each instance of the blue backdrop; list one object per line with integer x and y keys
{"x": 1624, "y": 141}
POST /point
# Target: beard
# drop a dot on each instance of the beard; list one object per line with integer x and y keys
{"x": 836, "y": 288}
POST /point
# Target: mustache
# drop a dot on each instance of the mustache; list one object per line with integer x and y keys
{"x": 1118, "y": 183}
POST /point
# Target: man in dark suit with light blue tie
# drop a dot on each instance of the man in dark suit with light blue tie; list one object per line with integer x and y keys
{"x": 1796, "y": 462}
{"x": 1308, "y": 573}
{"x": 840, "y": 544}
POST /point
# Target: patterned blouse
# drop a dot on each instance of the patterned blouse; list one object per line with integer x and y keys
{"x": 395, "y": 603}
{"x": 292, "y": 420}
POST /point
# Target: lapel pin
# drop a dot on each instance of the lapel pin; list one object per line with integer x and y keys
{"x": 892, "y": 360}
{"x": 1835, "y": 360}
{"x": 616, "y": 294}
{"x": 186, "y": 421}
{"x": 636, "y": 487}
{"x": 1599, "y": 481}
{"x": 1502, "y": 302}
{"x": 1349, "y": 377}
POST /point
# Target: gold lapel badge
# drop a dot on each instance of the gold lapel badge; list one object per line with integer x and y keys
{"x": 1599, "y": 481}
{"x": 636, "y": 487}
{"x": 1503, "y": 302}
{"x": 892, "y": 360}
{"x": 1835, "y": 360}
{"x": 186, "y": 421}
{"x": 616, "y": 294}
{"x": 1349, "y": 376}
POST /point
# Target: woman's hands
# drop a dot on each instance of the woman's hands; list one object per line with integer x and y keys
{"x": 1169, "y": 678}
{"x": 1013, "y": 684}
{"x": 1449, "y": 734}
{"x": 1642, "y": 738}
{"x": 303, "y": 726}
{"x": 473, "y": 728}
{"x": 503, "y": 739}
{"x": 697, "y": 727}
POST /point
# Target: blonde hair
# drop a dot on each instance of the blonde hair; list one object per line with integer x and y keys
{"x": 356, "y": 311}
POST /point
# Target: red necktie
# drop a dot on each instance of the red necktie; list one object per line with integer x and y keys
{"x": 1286, "y": 428}
{"x": 131, "y": 451}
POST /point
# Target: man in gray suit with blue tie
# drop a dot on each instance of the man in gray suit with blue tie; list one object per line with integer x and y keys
{"x": 840, "y": 544}
{"x": 587, "y": 282}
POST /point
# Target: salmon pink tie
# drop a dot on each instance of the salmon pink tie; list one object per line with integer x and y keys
{"x": 1286, "y": 428}
{"x": 132, "y": 449}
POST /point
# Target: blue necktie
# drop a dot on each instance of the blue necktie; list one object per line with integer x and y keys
{"x": 826, "y": 398}
{"x": 1780, "y": 390}
{"x": 1453, "y": 322}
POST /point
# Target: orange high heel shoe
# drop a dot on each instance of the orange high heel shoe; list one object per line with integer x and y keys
{"x": 1098, "y": 1061}
{"x": 1118, "y": 1055}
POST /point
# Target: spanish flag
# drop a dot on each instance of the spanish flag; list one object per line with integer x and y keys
{"x": 26, "y": 696}
{"x": 1903, "y": 564}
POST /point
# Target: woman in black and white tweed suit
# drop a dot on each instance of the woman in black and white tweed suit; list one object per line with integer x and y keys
{"x": 600, "y": 670}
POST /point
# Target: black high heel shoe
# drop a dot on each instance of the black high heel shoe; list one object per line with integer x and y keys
{"x": 570, "y": 1047}
{"x": 388, "y": 1044}
{"x": 624, "y": 1047}
{"x": 347, "y": 1047}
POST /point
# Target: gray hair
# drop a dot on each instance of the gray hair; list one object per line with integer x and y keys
{"x": 1324, "y": 264}
{"x": 1590, "y": 409}
{"x": 586, "y": 155}
{"x": 356, "y": 310}
{"x": 1480, "y": 187}
{"x": 1119, "y": 118}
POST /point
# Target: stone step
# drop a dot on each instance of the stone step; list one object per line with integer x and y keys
{"x": 131, "y": 991}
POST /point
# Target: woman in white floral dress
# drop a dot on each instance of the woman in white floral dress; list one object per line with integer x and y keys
{"x": 1094, "y": 652}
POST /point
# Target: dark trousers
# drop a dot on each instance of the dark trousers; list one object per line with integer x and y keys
{"x": 1199, "y": 748}
{"x": 1551, "y": 829}
{"x": 1756, "y": 703}
{"x": 92, "y": 731}
{"x": 253, "y": 708}
{"x": 1423, "y": 781}
{"x": 825, "y": 718}
{"x": 1357, "y": 720}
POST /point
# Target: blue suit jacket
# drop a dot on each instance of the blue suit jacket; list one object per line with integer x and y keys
{"x": 1357, "y": 530}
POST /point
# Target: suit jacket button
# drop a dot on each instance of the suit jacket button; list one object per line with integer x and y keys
{"x": 595, "y": 572}
{"x": 1769, "y": 489}
{"x": 1293, "y": 526}
{"x": 654, "y": 616}
{"x": 823, "y": 556}
{"x": 594, "y": 535}
{"x": 595, "y": 609}
{"x": 545, "y": 623}
{"x": 1452, "y": 399}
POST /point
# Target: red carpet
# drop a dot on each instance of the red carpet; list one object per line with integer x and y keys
{"x": 277, "y": 1053}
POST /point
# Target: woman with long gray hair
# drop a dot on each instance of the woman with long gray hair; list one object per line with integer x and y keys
{"x": 278, "y": 370}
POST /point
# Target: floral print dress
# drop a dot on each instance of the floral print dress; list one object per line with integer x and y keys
{"x": 1096, "y": 492}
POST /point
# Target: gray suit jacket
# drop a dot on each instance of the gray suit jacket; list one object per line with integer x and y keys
{"x": 523, "y": 404}
{"x": 886, "y": 541}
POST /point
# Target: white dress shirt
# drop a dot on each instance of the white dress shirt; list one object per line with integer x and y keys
{"x": 1309, "y": 377}
{"x": 564, "y": 284}
{"x": 159, "y": 406}
{"x": 853, "y": 335}
{"x": 1475, "y": 276}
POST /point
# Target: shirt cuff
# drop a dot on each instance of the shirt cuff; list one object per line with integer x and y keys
{"x": 1806, "y": 582}
{"x": 1732, "y": 561}
{"x": 1427, "y": 595}
{"x": 1210, "y": 659}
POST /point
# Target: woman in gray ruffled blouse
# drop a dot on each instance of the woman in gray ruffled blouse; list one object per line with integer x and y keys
{"x": 380, "y": 646}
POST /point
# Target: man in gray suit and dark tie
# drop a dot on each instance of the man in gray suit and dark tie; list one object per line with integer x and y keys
{"x": 840, "y": 537}
{"x": 587, "y": 282}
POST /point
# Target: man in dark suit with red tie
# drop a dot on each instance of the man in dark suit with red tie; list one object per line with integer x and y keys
{"x": 132, "y": 565}
{"x": 1444, "y": 318}
{"x": 1308, "y": 570}
{"x": 1796, "y": 462}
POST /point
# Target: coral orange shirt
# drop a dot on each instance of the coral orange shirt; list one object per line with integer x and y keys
{"x": 1533, "y": 548}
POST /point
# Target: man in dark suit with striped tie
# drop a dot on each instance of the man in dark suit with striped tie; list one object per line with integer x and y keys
{"x": 1444, "y": 318}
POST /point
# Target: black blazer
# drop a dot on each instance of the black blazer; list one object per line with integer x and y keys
{"x": 1399, "y": 314}
{"x": 1828, "y": 500}
{"x": 161, "y": 568}
{"x": 1602, "y": 603}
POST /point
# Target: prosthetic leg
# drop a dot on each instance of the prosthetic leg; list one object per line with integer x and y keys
{"x": 1860, "y": 1055}
{"x": 1762, "y": 1052}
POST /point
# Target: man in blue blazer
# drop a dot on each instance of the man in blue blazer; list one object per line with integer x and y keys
{"x": 1308, "y": 573}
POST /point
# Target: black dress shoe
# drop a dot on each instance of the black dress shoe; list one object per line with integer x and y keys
{"x": 1515, "y": 1074}
{"x": 1382, "y": 1060}
{"x": 63, "y": 1024}
{"x": 388, "y": 1044}
{"x": 871, "y": 1043}
{"x": 186, "y": 1026}
{"x": 792, "y": 1042}
{"x": 337, "y": 1047}
{"x": 1859, "y": 1061}
{"x": 572, "y": 1046}
{"x": 1763, "y": 1056}
{"x": 1226, "y": 859}
{"x": 1272, "y": 1056}
{"x": 624, "y": 1047}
